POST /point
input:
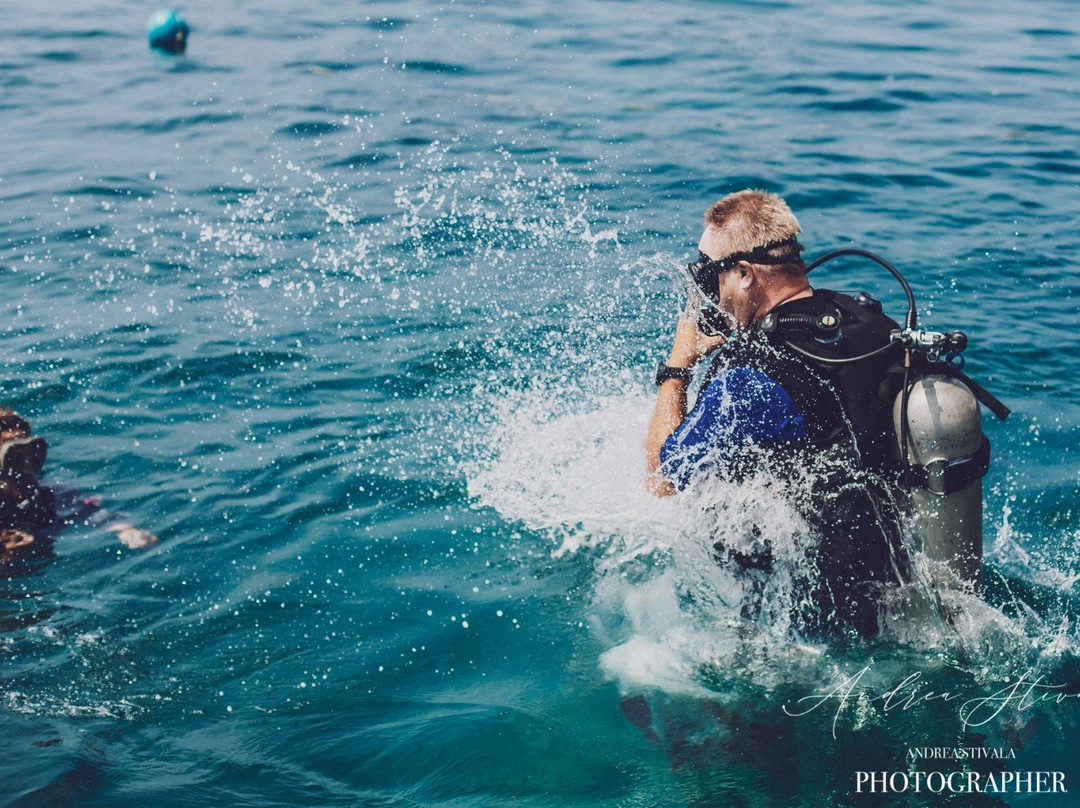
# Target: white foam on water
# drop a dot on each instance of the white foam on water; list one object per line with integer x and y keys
{"x": 579, "y": 476}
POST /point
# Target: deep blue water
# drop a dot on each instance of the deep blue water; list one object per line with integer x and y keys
{"x": 356, "y": 307}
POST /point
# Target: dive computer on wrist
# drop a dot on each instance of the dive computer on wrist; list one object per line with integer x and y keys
{"x": 665, "y": 372}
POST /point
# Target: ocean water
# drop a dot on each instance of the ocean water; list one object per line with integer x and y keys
{"x": 356, "y": 305}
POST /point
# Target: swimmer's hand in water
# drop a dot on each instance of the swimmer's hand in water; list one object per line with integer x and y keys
{"x": 13, "y": 543}
{"x": 134, "y": 538}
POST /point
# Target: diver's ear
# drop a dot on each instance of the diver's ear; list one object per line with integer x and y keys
{"x": 745, "y": 274}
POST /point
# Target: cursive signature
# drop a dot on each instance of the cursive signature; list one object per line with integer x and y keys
{"x": 1022, "y": 694}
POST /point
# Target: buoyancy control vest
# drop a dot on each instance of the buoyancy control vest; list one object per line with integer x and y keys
{"x": 847, "y": 340}
{"x": 932, "y": 432}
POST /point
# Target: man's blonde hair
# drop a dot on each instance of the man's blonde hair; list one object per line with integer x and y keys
{"x": 749, "y": 219}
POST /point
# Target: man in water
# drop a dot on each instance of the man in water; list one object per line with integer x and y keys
{"x": 771, "y": 403}
{"x": 31, "y": 512}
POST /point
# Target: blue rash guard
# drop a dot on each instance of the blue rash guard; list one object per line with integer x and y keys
{"x": 740, "y": 407}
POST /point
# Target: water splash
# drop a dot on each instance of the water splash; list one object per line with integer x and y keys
{"x": 669, "y": 615}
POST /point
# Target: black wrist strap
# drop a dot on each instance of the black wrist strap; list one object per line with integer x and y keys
{"x": 665, "y": 372}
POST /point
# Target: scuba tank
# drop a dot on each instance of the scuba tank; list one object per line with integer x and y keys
{"x": 948, "y": 454}
{"x": 936, "y": 425}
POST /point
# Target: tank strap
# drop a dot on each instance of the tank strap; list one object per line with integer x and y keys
{"x": 946, "y": 477}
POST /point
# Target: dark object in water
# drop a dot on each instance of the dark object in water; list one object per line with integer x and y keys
{"x": 167, "y": 31}
{"x": 23, "y": 455}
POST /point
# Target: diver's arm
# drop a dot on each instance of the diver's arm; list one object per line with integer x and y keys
{"x": 75, "y": 506}
{"x": 689, "y": 348}
{"x": 670, "y": 411}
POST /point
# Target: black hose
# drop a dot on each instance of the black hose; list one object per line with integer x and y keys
{"x": 911, "y": 316}
{"x": 838, "y": 361}
{"x": 905, "y": 395}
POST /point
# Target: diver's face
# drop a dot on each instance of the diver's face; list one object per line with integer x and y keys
{"x": 13, "y": 434}
{"x": 733, "y": 292}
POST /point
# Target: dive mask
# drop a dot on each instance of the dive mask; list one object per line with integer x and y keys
{"x": 711, "y": 321}
{"x": 703, "y": 278}
{"x": 705, "y": 272}
{"x": 23, "y": 455}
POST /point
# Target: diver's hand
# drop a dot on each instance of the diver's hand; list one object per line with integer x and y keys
{"x": 691, "y": 346}
{"x": 14, "y": 543}
{"x": 132, "y": 537}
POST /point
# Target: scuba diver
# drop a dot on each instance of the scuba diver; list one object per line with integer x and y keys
{"x": 31, "y": 513}
{"x": 819, "y": 390}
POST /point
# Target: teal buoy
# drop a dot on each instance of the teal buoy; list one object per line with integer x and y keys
{"x": 168, "y": 32}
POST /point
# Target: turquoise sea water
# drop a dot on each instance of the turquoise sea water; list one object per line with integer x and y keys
{"x": 356, "y": 307}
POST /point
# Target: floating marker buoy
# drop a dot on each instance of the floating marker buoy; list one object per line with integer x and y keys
{"x": 167, "y": 31}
